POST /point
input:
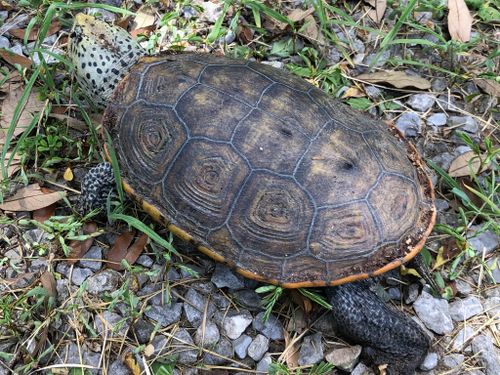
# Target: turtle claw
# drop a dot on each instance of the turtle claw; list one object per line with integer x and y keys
{"x": 97, "y": 185}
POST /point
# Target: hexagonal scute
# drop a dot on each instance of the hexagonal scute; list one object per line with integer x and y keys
{"x": 148, "y": 139}
{"x": 164, "y": 83}
{"x": 203, "y": 182}
{"x": 295, "y": 108}
{"x": 390, "y": 153}
{"x": 222, "y": 242}
{"x": 272, "y": 215}
{"x": 210, "y": 113}
{"x": 338, "y": 167}
{"x": 344, "y": 233}
{"x": 396, "y": 202}
{"x": 270, "y": 143}
{"x": 239, "y": 81}
{"x": 304, "y": 268}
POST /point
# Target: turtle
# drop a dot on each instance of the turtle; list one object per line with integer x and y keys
{"x": 263, "y": 171}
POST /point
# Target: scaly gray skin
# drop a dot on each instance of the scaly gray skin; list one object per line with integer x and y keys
{"x": 361, "y": 317}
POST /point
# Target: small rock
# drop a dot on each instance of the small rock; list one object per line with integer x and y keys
{"x": 394, "y": 293}
{"x": 409, "y": 124}
{"x": 248, "y": 298}
{"x": 145, "y": 261}
{"x": 494, "y": 266}
{"x": 95, "y": 252}
{"x": 39, "y": 265}
{"x": 486, "y": 241}
{"x": 224, "y": 277}
{"x": 207, "y": 336}
{"x": 118, "y": 368}
{"x": 463, "y": 287}
{"x": 194, "y": 307}
{"x": 464, "y": 123}
{"x": 4, "y": 42}
{"x": 241, "y": 345}
{"x": 72, "y": 354}
{"x": 224, "y": 348}
{"x": 443, "y": 160}
{"x": 311, "y": 351}
{"x": 421, "y": 102}
{"x": 235, "y": 325}
{"x": 275, "y": 64}
{"x": 373, "y": 92}
{"x": 462, "y": 150}
{"x": 272, "y": 329}
{"x": 437, "y": 120}
{"x": 453, "y": 360}
{"x": 463, "y": 309}
{"x": 79, "y": 275}
{"x": 264, "y": 363}
{"x": 411, "y": 293}
{"x": 439, "y": 84}
{"x": 361, "y": 369}
{"x": 442, "y": 205}
{"x": 380, "y": 60}
{"x": 487, "y": 354}
{"x": 183, "y": 344}
{"x": 14, "y": 256}
{"x": 105, "y": 281}
{"x": 143, "y": 330}
{"x": 434, "y": 313}
{"x": 166, "y": 314}
{"x": 258, "y": 347}
{"x": 345, "y": 358}
{"x": 462, "y": 337}
{"x": 110, "y": 324}
{"x": 211, "y": 10}
{"x": 430, "y": 362}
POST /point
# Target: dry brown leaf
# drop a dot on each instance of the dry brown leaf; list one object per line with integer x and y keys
{"x": 31, "y": 198}
{"x": 19, "y": 33}
{"x": 377, "y": 10}
{"x": 141, "y": 30}
{"x": 245, "y": 34}
{"x": 311, "y": 31}
{"x": 49, "y": 284}
{"x": 13, "y": 58}
{"x": 119, "y": 250}
{"x": 459, "y": 20}
{"x": 14, "y": 166}
{"x": 292, "y": 351}
{"x": 466, "y": 164}
{"x": 353, "y": 92}
{"x": 298, "y": 14}
{"x": 489, "y": 86}
{"x": 44, "y": 213}
{"x": 396, "y": 79}
{"x": 33, "y": 105}
{"x": 79, "y": 248}
{"x": 145, "y": 18}
{"x": 132, "y": 364}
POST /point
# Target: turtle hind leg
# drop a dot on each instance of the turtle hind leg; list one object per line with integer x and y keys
{"x": 387, "y": 335}
{"x": 97, "y": 185}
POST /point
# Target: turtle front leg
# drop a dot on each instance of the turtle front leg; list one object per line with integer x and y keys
{"x": 387, "y": 335}
{"x": 97, "y": 184}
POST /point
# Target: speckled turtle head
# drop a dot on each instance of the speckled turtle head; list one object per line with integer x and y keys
{"x": 102, "y": 54}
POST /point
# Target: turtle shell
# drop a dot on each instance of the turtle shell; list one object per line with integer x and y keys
{"x": 267, "y": 173}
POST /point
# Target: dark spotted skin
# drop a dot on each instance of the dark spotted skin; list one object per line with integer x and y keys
{"x": 97, "y": 185}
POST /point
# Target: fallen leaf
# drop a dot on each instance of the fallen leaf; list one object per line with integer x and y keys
{"x": 49, "y": 284}
{"x": 13, "y": 58}
{"x": 489, "y": 86}
{"x": 302, "y": 301}
{"x": 353, "y": 92}
{"x": 44, "y": 213}
{"x": 14, "y": 166}
{"x": 33, "y": 35}
{"x": 311, "y": 31}
{"x": 122, "y": 250}
{"x": 396, "y": 79}
{"x": 145, "y": 17}
{"x": 141, "y": 30}
{"x": 377, "y": 10}
{"x": 292, "y": 351}
{"x": 32, "y": 106}
{"x": 440, "y": 259}
{"x": 245, "y": 34}
{"x": 30, "y": 198}
{"x": 79, "y": 248}
{"x": 459, "y": 20}
{"x": 68, "y": 174}
{"x": 467, "y": 164}
{"x": 132, "y": 364}
{"x": 298, "y": 14}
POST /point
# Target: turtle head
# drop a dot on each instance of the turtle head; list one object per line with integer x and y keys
{"x": 102, "y": 54}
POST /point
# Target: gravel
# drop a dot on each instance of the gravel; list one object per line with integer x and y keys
{"x": 410, "y": 124}
{"x": 345, "y": 358}
{"x": 487, "y": 354}
{"x": 236, "y": 324}
{"x": 258, "y": 347}
{"x": 434, "y": 313}
{"x": 463, "y": 309}
{"x": 311, "y": 351}
{"x": 272, "y": 328}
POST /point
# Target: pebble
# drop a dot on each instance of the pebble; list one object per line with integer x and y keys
{"x": 453, "y": 360}
{"x": 4, "y": 42}
{"x": 487, "y": 354}
{"x": 463, "y": 287}
{"x": 345, "y": 358}
{"x": 166, "y": 314}
{"x": 411, "y": 293}
{"x": 14, "y": 256}
{"x": 241, "y": 345}
{"x": 442, "y": 205}
{"x": 105, "y": 281}
{"x": 311, "y": 350}
{"x": 462, "y": 150}
{"x": 486, "y": 241}
{"x": 211, "y": 10}
{"x": 465, "y": 123}
{"x": 434, "y": 313}
{"x": 361, "y": 369}
{"x": 258, "y": 347}
{"x": 494, "y": 266}
{"x": 95, "y": 252}
{"x": 72, "y": 354}
{"x": 439, "y": 84}
{"x": 443, "y": 160}
{"x": 272, "y": 328}
{"x": 207, "y": 336}
{"x": 224, "y": 277}
{"x": 181, "y": 341}
{"x": 224, "y": 348}
{"x": 430, "y": 362}
{"x": 421, "y": 102}
{"x": 39, "y": 265}
{"x": 236, "y": 324}
{"x": 145, "y": 261}
{"x": 423, "y": 18}
{"x": 380, "y": 60}
{"x": 462, "y": 337}
{"x": 409, "y": 123}
{"x": 248, "y": 298}
{"x": 143, "y": 330}
{"x": 79, "y": 275}
{"x": 264, "y": 363}
{"x": 437, "y": 120}
{"x": 463, "y": 309}
{"x": 109, "y": 324}
{"x": 394, "y": 293}
{"x": 195, "y": 306}
{"x": 118, "y": 368}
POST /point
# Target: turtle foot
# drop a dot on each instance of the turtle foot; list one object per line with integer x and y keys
{"x": 387, "y": 336}
{"x": 97, "y": 184}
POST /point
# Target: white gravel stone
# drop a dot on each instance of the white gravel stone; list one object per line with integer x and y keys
{"x": 434, "y": 313}
{"x": 462, "y": 338}
{"x": 235, "y": 325}
{"x": 344, "y": 358}
{"x": 430, "y": 362}
{"x": 258, "y": 347}
{"x": 463, "y": 309}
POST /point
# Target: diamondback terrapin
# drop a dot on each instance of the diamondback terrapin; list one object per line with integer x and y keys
{"x": 265, "y": 172}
